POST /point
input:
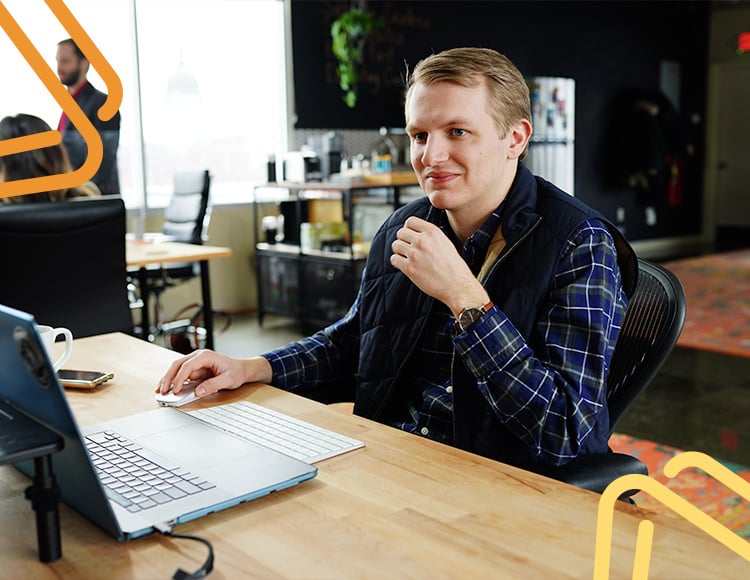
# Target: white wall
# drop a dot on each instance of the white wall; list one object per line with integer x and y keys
{"x": 233, "y": 283}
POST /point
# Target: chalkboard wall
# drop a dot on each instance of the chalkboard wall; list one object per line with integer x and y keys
{"x": 607, "y": 47}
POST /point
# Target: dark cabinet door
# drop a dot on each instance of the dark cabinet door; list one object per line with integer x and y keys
{"x": 279, "y": 289}
{"x": 328, "y": 288}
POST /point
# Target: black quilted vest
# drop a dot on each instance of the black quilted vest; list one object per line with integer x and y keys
{"x": 538, "y": 218}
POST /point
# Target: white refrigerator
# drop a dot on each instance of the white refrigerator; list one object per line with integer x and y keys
{"x": 551, "y": 152}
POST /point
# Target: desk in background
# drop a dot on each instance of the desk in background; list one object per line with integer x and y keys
{"x": 402, "y": 507}
{"x": 142, "y": 254}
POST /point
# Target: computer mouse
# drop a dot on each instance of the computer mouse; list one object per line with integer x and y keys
{"x": 171, "y": 399}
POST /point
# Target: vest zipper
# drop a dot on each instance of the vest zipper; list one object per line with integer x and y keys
{"x": 509, "y": 249}
{"x": 500, "y": 259}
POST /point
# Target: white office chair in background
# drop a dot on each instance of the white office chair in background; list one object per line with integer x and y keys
{"x": 186, "y": 219}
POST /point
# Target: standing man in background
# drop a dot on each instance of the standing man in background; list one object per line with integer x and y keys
{"x": 72, "y": 68}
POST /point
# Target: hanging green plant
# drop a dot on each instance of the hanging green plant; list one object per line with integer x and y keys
{"x": 348, "y": 34}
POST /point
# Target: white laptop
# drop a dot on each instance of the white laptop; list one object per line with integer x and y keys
{"x": 184, "y": 467}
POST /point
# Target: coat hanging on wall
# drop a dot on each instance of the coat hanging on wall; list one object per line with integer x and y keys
{"x": 649, "y": 146}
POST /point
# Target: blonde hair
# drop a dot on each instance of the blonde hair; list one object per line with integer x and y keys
{"x": 470, "y": 67}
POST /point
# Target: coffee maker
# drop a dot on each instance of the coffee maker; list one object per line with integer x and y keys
{"x": 329, "y": 148}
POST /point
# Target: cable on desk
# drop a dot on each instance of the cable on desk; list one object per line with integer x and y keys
{"x": 201, "y": 572}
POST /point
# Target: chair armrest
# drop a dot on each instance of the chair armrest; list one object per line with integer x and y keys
{"x": 595, "y": 472}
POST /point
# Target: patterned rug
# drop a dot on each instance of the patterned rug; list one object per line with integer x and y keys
{"x": 694, "y": 485}
{"x": 717, "y": 290}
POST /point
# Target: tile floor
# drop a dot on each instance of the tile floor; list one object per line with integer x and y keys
{"x": 245, "y": 337}
{"x": 698, "y": 401}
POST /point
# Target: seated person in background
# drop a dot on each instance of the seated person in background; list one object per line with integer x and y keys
{"x": 37, "y": 162}
{"x": 489, "y": 309}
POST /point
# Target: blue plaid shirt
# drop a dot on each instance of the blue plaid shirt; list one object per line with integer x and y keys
{"x": 550, "y": 400}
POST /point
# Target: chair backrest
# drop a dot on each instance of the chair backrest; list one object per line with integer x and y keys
{"x": 64, "y": 262}
{"x": 652, "y": 325}
{"x": 187, "y": 216}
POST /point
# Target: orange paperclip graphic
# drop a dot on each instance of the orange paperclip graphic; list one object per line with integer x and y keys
{"x": 66, "y": 102}
{"x": 605, "y": 518}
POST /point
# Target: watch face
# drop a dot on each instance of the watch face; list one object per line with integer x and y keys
{"x": 469, "y": 316}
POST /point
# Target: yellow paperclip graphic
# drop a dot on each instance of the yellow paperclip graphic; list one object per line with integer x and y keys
{"x": 605, "y": 518}
{"x": 66, "y": 102}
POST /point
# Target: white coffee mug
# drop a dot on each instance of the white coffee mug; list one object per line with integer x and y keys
{"x": 49, "y": 335}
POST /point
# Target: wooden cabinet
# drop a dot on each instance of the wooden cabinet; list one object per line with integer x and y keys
{"x": 317, "y": 285}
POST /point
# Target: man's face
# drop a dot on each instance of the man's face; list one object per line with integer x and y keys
{"x": 461, "y": 161}
{"x": 70, "y": 68}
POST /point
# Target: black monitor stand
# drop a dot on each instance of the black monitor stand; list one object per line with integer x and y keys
{"x": 23, "y": 439}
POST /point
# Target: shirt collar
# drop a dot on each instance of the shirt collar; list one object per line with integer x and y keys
{"x": 79, "y": 90}
{"x": 475, "y": 247}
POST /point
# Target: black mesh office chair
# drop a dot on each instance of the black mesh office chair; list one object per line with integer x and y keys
{"x": 652, "y": 325}
{"x": 64, "y": 262}
{"x": 186, "y": 219}
{"x": 653, "y": 322}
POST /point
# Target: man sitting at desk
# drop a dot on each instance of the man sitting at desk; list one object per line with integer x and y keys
{"x": 489, "y": 309}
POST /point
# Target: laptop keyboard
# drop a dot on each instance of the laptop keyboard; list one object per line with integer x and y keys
{"x": 274, "y": 430}
{"x": 133, "y": 478}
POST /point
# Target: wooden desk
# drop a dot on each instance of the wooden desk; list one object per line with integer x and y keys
{"x": 139, "y": 254}
{"x": 402, "y": 507}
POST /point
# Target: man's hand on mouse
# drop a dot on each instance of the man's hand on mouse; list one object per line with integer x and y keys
{"x": 212, "y": 372}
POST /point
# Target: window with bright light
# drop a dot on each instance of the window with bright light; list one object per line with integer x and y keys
{"x": 203, "y": 86}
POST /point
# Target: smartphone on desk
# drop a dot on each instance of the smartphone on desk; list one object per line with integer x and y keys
{"x": 82, "y": 379}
